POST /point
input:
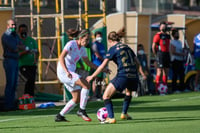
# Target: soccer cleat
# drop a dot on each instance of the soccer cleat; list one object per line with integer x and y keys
{"x": 83, "y": 115}
{"x": 125, "y": 117}
{"x": 110, "y": 121}
{"x": 60, "y": 118}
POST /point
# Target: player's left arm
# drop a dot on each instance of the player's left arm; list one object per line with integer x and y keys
{"x": 99, "y": 69}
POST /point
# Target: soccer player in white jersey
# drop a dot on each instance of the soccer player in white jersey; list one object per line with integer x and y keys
{"x": 77, "y": 86}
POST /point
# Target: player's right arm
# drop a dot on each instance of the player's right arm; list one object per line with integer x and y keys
{"x": 154, "y": 48}
{"x": 63, "y": 64}
{"x": 156, "y": 40}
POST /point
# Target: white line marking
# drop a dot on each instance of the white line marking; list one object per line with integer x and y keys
{"x": 25, "y": 118}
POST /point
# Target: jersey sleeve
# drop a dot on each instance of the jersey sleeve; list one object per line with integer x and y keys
{"x": 110, "y": 54}
{"x": 68, "y": 46}
{"x": 156, "y": 38}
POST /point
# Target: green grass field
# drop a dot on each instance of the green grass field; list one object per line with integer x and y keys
{"x": 177, "y": 113}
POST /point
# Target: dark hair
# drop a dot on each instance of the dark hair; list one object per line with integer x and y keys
{"x": 72, "y": 33}
{"x": 97, "y": 33}
{"x": 121, "y": 32}
{"x": 23, "y": 26}
{"x": 163, "y": 22}
{"x": 174, "y": 31}
{"x": 140, "y": 45}
{"x": 114, "y": 36}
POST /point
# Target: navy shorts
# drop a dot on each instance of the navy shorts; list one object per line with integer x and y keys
{"x": 121, "y": 83}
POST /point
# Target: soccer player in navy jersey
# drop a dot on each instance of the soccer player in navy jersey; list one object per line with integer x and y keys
{"x": 126, "y": 78}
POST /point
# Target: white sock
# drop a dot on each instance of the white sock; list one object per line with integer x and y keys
{"x": 84, "y": 98}
{"x": 68, "y": 107}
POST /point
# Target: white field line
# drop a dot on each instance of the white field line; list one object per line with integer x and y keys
{"x": 14, "y": 119}
{"x": 178, "y": 99}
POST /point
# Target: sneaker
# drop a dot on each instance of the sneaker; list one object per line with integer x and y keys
{"x": 83, "y": 115}
{"x": 109, "y": 121}
{"x": 125, "y": 117}
{"x": 60, "y": 118}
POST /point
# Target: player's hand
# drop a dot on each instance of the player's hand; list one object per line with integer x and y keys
{"x": 144, "y": 77}
{"x": 89, "y": 78}
{"x": 69, "y": 75}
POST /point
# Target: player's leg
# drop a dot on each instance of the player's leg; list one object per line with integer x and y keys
{"x": 132, "y": 85}
{"x": 165, "y": 75}
{"x": 70, "y": 104}
{"x": 158, "y": 74}
{"x": 126, "y": 103}
{"x": 166, "y": 65}
{"x": 159, "y": 68}
{"x": 72, "y": 88}
{"x": 83, "y": 98}
{"x": 110, "y": 90}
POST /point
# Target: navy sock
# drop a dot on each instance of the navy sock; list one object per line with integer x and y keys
{"x": 126, "y": 103}
{"x": 109, "y": 107}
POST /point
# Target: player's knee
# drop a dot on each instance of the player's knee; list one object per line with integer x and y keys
{"x": 76, "y": 100}
{"x": 105, "y": 96}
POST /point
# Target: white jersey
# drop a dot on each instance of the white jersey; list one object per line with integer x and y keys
{"x": 74, "y": 53}
{"x": 178, "y": 45}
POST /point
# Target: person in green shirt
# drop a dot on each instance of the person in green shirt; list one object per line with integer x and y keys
{"x": 28, "y": 59}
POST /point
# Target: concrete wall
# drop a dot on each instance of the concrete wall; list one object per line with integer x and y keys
{"x": 5, "y": 14}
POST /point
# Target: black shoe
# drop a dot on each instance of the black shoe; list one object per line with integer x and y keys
{"x": 60, "y": 118}
{"x": 82, "y": 113}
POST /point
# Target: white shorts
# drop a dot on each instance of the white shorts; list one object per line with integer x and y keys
{"x": 69, "y": 83}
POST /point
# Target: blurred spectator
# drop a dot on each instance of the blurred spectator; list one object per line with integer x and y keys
{"x": 177, "y": 58}
{"x": 146, "y": 85}
{"x": 98, "y": 55}
{"x": 11, "y": 46}
{"x": 197, "y": 61}
{"x": 28, "y": 59}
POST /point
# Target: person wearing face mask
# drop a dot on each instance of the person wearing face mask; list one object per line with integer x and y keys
{"x": 98, "y": 55}
{"x": 146, "y": 86}
{"x": 177, "y": 58}
{"x": 28, "y": 59}
{"x": 11, "y": 45}
{"x": 160, "y": 48}
{"x": 76, "y": 85}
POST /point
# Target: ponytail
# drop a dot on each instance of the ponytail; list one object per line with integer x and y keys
{"x": 114, "y": 36}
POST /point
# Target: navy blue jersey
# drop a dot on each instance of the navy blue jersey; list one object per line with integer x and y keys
{"x": 123, "y": 56}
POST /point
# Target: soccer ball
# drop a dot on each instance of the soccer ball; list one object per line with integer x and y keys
{"x": 102, "y": 114}
{"x": 162, "y": 89}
